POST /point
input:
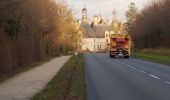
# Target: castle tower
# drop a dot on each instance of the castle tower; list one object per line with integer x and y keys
{"x": 114, "y": 21}
{"x": 96, "y": 20}
{"x": 84, "y": 14}
{"x": 114, "y": 13}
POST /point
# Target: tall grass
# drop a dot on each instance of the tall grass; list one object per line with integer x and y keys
{"x": 155, "y": 57}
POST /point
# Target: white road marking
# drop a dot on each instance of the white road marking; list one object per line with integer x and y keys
{"x": 142, "y": 71}
{"x": 154, "y": 76}
{"x": 124, "y": 63}
{"x": 167, "y": 82}
{"x": 134, "y": 68}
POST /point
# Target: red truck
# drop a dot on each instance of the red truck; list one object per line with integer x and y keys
{"x": 119, "y": 45}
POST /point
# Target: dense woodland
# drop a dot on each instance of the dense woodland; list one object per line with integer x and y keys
{"x": 31, "y": 30}
{"x": 151, "y": 28}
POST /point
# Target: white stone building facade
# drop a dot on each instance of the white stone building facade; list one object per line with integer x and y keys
{"x": 96, "y": 44}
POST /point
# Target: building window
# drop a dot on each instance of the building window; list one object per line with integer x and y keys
{"x": 98, "y": 47}
{"x": 107, "y": 40}
{"x": 106, "y": 35}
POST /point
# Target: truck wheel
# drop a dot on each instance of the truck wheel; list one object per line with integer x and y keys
{"x": 112, "y": 56}
{"x": 126, "y": 56}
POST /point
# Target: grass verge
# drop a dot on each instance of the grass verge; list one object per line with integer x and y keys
{"x": 67, "y": 84}
{"x": 5, "y": 76}
{"x": 155, "y": 57}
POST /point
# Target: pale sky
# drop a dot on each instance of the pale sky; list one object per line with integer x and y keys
{"x": 105, "y": 7}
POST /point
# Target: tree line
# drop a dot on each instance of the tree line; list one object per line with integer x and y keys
{"x": 31, "y": 30}
{"x": 151, "y": 27}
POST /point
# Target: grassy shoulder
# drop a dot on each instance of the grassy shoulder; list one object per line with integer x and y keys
{"x": 67, "y": 84}
{"x": 18, "y": 70}
{"x": 155, "y": 57}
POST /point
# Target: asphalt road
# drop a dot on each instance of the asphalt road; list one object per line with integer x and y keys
{"x": 125, "y": 79}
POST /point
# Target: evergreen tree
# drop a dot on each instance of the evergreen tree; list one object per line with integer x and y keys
{"x": 130, "y": 16}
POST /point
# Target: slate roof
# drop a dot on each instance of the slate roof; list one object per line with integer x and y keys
{"x": 84, "y": 9}
{"x": 88, "y": 30}
{"x": 95, "y": 32}
{"x": 100, "y": 30}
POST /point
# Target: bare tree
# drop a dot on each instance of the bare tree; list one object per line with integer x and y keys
{"x": 34, "y": 29}
{"x": 151, "y": 27}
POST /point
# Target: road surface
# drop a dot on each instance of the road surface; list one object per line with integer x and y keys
{"x": 125, "y": 79}
{"x": 27, "y": 84}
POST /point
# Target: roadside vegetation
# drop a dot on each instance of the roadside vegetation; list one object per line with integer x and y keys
{"x": 150, "y": 56}
{"x": 151, "y": 26}
{"x": 162, "y": 51}
{"x": 150, "y": 31}
{"x": 33, "y": 30}
{"x": 68, "y": 84}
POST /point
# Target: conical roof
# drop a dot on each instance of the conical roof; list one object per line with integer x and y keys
{"x": 84, "y": 9}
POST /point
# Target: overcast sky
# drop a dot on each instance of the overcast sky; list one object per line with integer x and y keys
{"x": 105, "y": 7}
